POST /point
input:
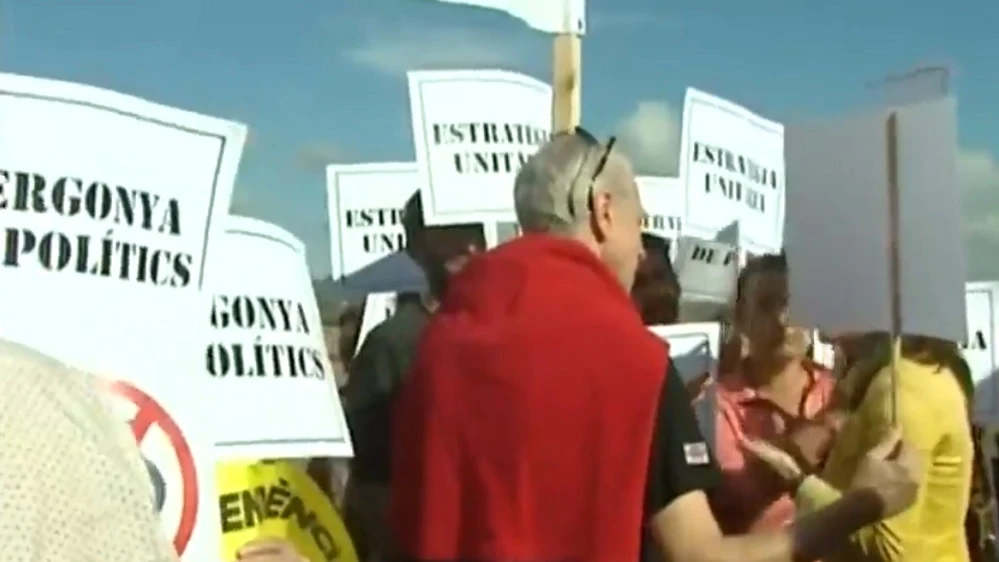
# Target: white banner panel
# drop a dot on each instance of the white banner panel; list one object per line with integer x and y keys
{"x": 707, "y": 272}
{"x": 732, "y": 163}
{"x": 695, "y": 350}
{"x": 982, "y": 300}
{"x": 664, "y": 202}
{"x": 111, "y": 207}
{"x": 549, "y": 16}
{"x": 472, "y": 130}
{"x": 378, "y": 307}
{"x": 272, "y": 384}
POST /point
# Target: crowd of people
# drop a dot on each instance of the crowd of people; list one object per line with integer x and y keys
{"x": 535, "y": 418}
{"x": 521, "y": 411}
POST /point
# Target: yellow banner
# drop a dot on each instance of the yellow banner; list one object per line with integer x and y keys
{"x": 275, "y": 499}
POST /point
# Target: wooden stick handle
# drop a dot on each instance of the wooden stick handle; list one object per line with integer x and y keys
{"x": 566, "y": 82}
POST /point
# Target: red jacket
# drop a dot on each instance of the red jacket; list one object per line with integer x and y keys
{"x": 523, "y": 431}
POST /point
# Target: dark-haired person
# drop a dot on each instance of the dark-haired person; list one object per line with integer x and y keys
{"x": 382, "y": 363}
{"x": 656, "y": 291}
{"x": 773, "y": 392}
{"x": 932, "y": 401}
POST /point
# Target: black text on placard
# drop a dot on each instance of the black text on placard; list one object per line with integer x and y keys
{"x": 712, "y": 256}
{"x": 109, "y": 256}
{"x": 251, "y": 507}
{"x": 976, "y": 342}
{"x": 380, "y": 226}
{"x": 489, "y": 148}
{"x": 661, "y": 222}
{"x": 736, "y": 177}
{"x": 260, "y": 358}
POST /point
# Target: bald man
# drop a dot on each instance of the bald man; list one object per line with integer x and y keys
{"x": 542, "y": 422}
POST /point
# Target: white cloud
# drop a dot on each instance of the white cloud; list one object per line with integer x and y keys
{"x": 316, "y": 156}
{"x": 650, "y": 136}
{"x": 395, "y": 50}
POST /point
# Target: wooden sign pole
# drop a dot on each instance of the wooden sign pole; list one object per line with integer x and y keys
{"x": 566, "y": 82}
{"x": 894, "y": 259}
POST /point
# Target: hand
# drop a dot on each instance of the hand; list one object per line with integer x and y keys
{"x": 697, "y": 387}
{"x": 890, "y": 471}
{"x": 269, "y": 550}
{"x": 782, "y": 463}
{"x": 809, "y": 443}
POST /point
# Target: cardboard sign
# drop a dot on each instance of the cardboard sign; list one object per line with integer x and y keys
{"x": 365, "y": 204}
{"x": 823, "y": 353}
{"x": 732, "y": 165}
{"x": 111, "y": 208}
{"x": 837, "y": 223}
{"x": 506, "y": 231}
{"x": 473, "y": 129}
{"x": 663, "y": 200}
{"x": 707, "y": 272}
{"x": 979, "y": 349}
{"x": 266, "y": 353}
{"x": 695, "y": 350}
{"x": 550, "y": 16}
{"x": 378, "y": 307}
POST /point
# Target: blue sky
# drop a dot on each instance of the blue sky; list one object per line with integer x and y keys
{"x": 323, "y": 81}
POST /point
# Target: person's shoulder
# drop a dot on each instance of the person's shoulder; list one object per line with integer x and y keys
{"x": 43, "y": 392}
{"x": 28, "y": 376}
{"x": 403, "y": 326}
{"x": 17, "y": 360}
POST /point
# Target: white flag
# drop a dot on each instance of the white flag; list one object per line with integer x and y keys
{"x": 549, "y": 16}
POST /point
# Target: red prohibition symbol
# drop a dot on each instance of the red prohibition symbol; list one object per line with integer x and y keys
{"x": 150, "y": 413}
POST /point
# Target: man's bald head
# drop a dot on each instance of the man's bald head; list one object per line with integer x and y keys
{"x": 551, "y": 189}
{"x": 578, "y": 188}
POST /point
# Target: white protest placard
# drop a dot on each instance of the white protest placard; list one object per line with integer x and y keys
{"x": 823, "y": 353}
{"x": 504, "y": 231}
{"x": 111, "y": 207}
{"x": 378, "y": 307}
{"x": 473, "y": 129}
{"x": 695, "y": 349}
{"x": 732, "y": 165}
{"x": 663, "y": 200}
{"x": 365, "y": 203}
{"x": 982, "y": 300}
{"x": 266, "y": 362}
{"x": 549, "y": 16}
{"x": 707, "y": 272}
{"x": 838, "y": 228}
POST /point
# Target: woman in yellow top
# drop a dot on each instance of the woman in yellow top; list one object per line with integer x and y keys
{"x": 932, "y": 400}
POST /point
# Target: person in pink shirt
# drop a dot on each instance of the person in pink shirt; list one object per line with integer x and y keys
{"x": 771, "y": 391}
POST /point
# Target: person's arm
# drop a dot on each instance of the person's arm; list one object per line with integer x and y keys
{"x": 884, "y": 540}
{"x": 681, "y": 521}
{"x": 367, "y": 399}
{"x": 686, "y": 531}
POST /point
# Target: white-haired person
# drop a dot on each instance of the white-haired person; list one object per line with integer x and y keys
{"x": 542, "y": 421}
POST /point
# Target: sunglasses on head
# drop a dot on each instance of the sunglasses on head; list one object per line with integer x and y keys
{"x": 601, "y": 164}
